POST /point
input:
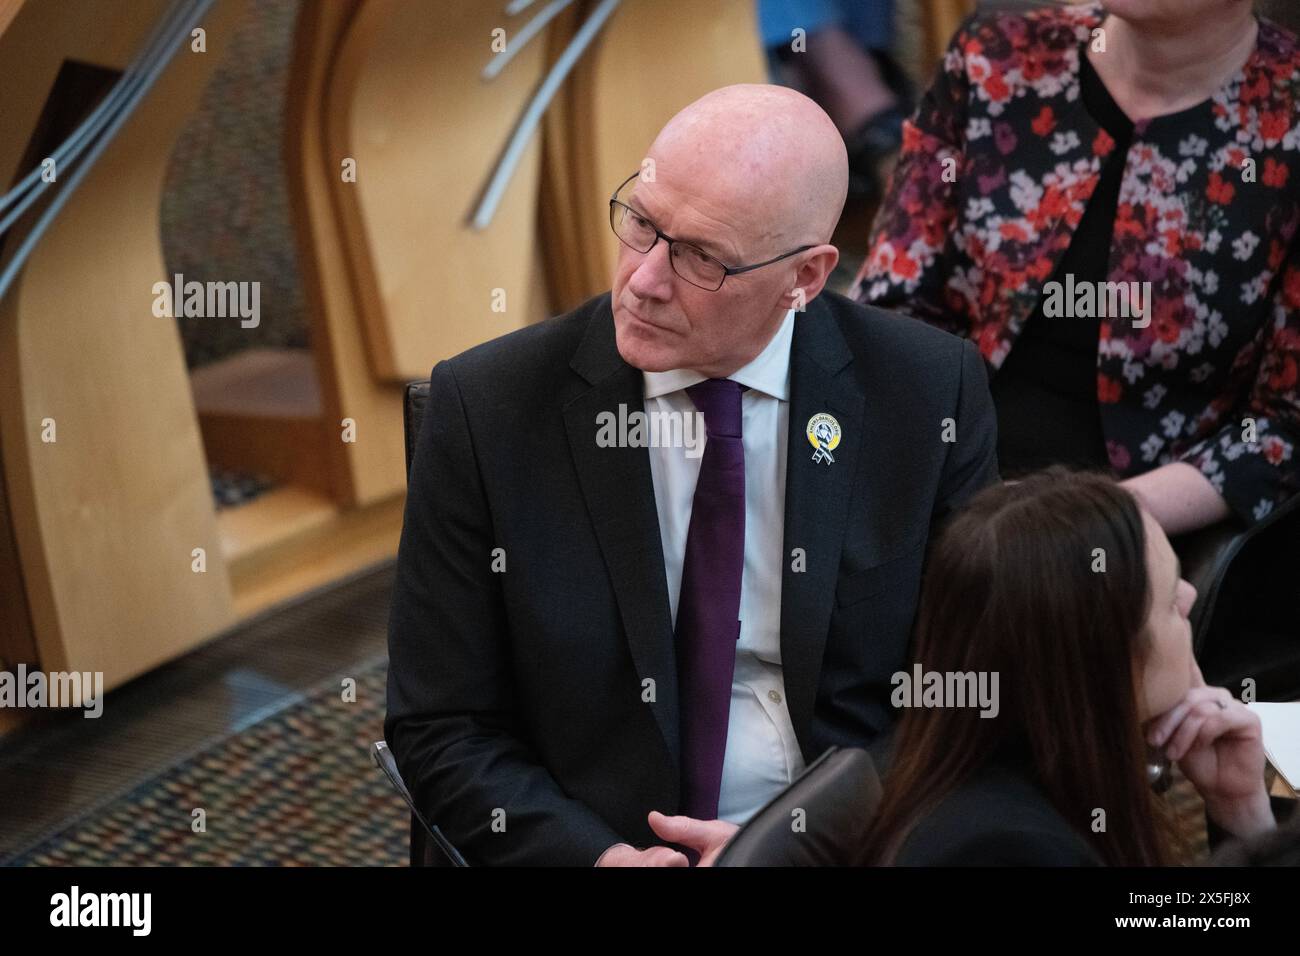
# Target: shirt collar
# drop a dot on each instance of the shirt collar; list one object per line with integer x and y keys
{"x": 769, "y": 372}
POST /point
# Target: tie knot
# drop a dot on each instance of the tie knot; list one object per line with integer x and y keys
{"x": 718, "y": 399}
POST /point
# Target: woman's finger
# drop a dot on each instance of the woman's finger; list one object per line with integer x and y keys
{"x": 1214, "y": 727}
{"x": 1186, "y": 733}
{"x": 1164, "y": 725}
{"x": 1240, "y": 719}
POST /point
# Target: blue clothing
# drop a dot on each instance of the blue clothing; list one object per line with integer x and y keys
{"x": 870, "y": 21}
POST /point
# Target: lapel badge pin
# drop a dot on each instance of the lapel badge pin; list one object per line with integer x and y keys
{"x": 824, "y": 435}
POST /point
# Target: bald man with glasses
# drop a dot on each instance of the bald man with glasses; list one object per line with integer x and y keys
{"x": 615, "y": 652}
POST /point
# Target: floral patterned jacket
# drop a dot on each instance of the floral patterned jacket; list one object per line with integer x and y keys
{"x": 1212, "y": 379}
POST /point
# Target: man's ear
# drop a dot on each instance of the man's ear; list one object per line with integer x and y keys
{"x": 818, "y": 264}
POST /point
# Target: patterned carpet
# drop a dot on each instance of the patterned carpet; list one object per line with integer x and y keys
{"x": 295, "y": 789}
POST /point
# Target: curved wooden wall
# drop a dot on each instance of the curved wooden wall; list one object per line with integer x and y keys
{"x": 106, "y": 517}
{"x": 104, "y": 520}
{"x": 653, "y": 58}
{"x": 408, "y": 104}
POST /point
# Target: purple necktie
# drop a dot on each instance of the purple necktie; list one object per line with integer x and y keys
{"x": 708, "y": 607}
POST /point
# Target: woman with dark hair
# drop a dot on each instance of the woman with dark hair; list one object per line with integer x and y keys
{"x": 1105, "y": 197}
{"x": 1071, "y": 594}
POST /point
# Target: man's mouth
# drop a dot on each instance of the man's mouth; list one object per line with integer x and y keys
{"x": 644, "y": 321}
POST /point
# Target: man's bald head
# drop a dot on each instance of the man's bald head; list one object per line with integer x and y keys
{"x": 754, "y": 176}
{"x": 768, "y": 151}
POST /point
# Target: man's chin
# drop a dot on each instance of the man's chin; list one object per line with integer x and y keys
{"x": 645, "y": 363}
{"x": 643, "y": 355}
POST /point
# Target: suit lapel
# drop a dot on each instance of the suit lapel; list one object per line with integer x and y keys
{"x": 817, "y": 500}
{"x": 617, "y": 486}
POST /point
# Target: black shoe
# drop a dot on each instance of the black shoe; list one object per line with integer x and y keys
{"x": 874, "y": 142}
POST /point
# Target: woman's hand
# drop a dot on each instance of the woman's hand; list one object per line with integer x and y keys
{"x": 1218, "y": 745}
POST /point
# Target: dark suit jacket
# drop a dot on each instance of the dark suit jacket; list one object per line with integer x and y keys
{"x": 524, "y": 699}
{"x": 998, "y": 818}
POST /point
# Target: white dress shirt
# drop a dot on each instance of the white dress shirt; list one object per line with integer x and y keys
{"x": 762, "y": 756}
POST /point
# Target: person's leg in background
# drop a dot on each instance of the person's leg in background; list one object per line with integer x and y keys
{"x": 847, "y": 69}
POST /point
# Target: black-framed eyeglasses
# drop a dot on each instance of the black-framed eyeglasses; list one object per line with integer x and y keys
{"x": 689, "y": 261}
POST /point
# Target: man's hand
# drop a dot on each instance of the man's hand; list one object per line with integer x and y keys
{"x": 706, "y": 837}
{"x": 620, "y": 854}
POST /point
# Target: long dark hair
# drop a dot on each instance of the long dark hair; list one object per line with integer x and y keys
{"x": 1014, "y": 586}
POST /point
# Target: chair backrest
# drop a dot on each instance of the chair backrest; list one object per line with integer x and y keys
{"x": 429, "y": 847}
{"x": 822, "y": 819}
{"x": 1277, "y": 847}
{"x": 1247, "y": 616}
{"x": 417, "y": 397}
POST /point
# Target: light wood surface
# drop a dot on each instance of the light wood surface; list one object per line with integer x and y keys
{"x": 269, "y": 382}
{"x": 941, "y": 19}
{"x": 8, "y": 11}
{"x": 652, "y": 60}
{"x": 106, "y": 517}
{"x": 1279, "y": 787}
{"x": 569, "y": 275}
{"x": 260, "y": 414}
{"x": 370, "y": 469}
{"x": 408, "y": 104}
{"x": 290, "y": 541}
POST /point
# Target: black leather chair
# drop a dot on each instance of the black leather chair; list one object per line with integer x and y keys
{"x": 819, "y": 820}
{"x": 1280, "y": 847}
{"x": 417, "y": 398}
{"x": 1246, "y": 620}
{"x": 429, "y": 847}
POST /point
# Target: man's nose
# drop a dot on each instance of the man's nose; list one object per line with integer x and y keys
{"x": 653, "y": 276}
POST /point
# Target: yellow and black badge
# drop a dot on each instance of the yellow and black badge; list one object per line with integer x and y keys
{"x": 824, "y": 434}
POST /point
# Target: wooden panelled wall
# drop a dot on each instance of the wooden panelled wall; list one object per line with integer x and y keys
{"x": 103, "y": 522}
